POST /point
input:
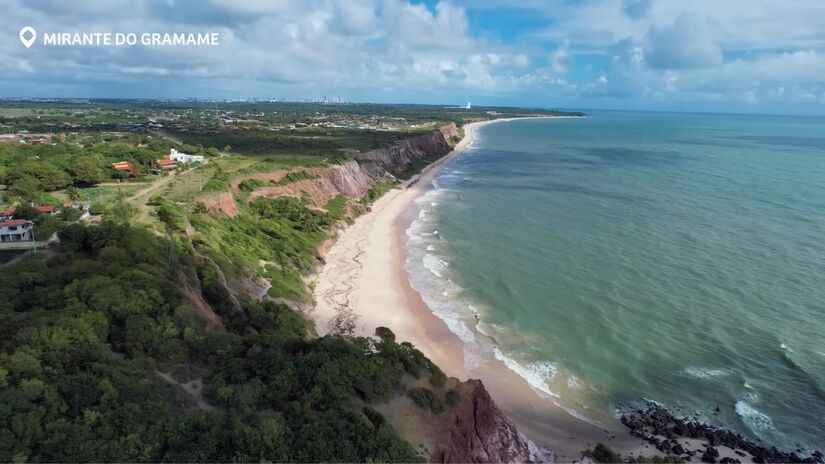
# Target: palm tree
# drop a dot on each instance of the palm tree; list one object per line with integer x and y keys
{"x": 73, "y": 193}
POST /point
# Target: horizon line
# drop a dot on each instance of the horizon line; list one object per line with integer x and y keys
{"x": 440, "y": 105}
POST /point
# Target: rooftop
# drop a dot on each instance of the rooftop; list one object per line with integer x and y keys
{"x": 13, "y": 222}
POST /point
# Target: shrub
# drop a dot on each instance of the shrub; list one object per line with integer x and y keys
{"x": 292, "y": 177}
{"x": 602, "y": 453}
{"x": 249, "y": 185}
{"x": 437, "y": 376}
{"x": 337, "y": 207}
{"x": 425, "y": 398}
{"x": 385, "y": 334}
{"x": 376, "y": 191}
{"x": 70, "y": 214}
{"x": 155, "y": 200}
{"x": 452, "y": 397}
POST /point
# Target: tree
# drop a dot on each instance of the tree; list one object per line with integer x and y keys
{"x": 85, "y": 171}
{"x": 26, "y": 188}
{"x": 27, "y": 212}
{"x": 73, "y": 193}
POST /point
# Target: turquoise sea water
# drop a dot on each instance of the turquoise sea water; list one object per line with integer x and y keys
{"x": 678, "y": 258}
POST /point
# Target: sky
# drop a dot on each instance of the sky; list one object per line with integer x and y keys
{"x": 755, "y": 56}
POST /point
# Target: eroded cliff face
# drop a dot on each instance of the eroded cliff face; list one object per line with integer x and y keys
{"x": 350, "y": 179}
{"x": 401, "y": 154}
{"x": 480, "y": 432}
{"x": 220, "y": 203}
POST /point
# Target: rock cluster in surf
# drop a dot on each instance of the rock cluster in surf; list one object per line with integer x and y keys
{"x": 660, "y": 428}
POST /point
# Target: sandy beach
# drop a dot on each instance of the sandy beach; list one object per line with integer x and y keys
{"x": 364, "y": 275}
{"x": 364, "y": 272}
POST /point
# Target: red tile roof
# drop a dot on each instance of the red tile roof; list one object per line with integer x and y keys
{"x": 45, "y": 209}
{"x": 123, "y": 166}
{"x": 13, "y": 222}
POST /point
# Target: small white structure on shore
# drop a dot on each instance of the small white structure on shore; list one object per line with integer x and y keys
{"x": 469, "y": 105}
{"x": 184, "y": 157}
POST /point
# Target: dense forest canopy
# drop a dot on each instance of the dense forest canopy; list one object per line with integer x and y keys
{"x": 88, "y": 331}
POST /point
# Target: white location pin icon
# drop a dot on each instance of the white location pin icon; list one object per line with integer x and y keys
{"x": 28, "y": 31}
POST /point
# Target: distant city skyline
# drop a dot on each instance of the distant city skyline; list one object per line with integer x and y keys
{"x": 662, "y": 55}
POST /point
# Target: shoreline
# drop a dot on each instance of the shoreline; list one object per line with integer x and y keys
{"x": 365, "y": 278}
{"x": 370, "y": 252}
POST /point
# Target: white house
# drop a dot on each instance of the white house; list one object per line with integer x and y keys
{"x": 15, "y": 230}
{"x": 184, "y": 157}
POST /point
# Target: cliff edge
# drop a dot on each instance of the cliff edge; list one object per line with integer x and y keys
{"x": 481, "y": 432}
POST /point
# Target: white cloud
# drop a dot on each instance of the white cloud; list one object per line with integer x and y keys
{"x": 636, "y": 9}
{"x": 653, "y": 50}
{"x": 683, "y": 45}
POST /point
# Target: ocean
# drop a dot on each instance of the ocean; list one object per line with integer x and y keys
{"x": 624, "y": 257}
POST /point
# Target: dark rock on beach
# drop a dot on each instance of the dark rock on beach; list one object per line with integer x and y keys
{"x": 657, "y": 426}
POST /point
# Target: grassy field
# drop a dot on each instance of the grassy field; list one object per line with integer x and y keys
{"x": 103, "y": 194}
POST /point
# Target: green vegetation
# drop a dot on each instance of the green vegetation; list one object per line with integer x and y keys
{"x": 249, "y": 185}
{"x": 603, "y": 453}
{"x": 86, "y": 332}
{"x": 104, "y": 194}
{"x": 452, "y": 397}
{"x": 45, "y": 225}
{"x": 81, "y": 160}
{"x": 337, "y": 207}
{"x": 377, "y": 190}
{"x": 425, "y": 398}
{"x": 282, "y": 232}
{"x": 97, "y": 333}
{"x": 292, "y": 177}
{"x": 8, "y": 255}
{"x": 219, "y": 182}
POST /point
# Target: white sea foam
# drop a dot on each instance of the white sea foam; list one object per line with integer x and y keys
{"x": 537, "y": 374}
{"x": 428, "y": 273}
{"x": 753, "y": 418}
{"x": 434, "y": 264}
{"x": 699, "y": 372}
{"x": 750, "y": 394}
{"x": 427, "y": 277}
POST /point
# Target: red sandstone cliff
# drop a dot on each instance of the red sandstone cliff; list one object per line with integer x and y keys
{"x": 352, "y": 179}
{"x": 480, "y": 432}
{"x": 399, "y": 155}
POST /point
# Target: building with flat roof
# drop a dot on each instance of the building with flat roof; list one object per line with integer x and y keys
{"x": 184, "y": 157}
{"x": 16, "y": 230}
